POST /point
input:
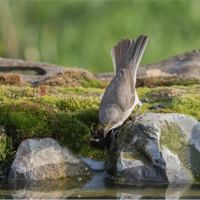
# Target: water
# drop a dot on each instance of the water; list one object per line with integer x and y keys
{"x": 97, "y": 187}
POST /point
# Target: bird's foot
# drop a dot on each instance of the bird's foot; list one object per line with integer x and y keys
{"x": 134, "y": 120}
{"x": 130, "y": 125}
{"x": 135, "y": 117}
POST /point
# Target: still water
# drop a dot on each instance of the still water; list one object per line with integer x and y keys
{"x": 98, "y": 187}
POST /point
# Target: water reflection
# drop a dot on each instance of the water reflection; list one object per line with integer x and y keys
{"x": 97, "y": 187}
{"x": 49, "y": 189}
{"x": 153, "y": 192}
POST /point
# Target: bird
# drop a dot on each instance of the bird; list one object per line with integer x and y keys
{"x": 120, "y": 96}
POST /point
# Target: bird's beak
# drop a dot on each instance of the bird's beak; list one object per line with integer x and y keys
{"x": 105, "y": 129}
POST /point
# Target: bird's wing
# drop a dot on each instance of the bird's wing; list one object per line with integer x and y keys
{"x": 121, "y": 90}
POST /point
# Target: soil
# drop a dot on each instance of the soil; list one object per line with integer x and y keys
{"x": 167, "y": 93}
{"x": 70, "y": 77}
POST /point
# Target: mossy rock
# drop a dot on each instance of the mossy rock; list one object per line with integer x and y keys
{"x": 159, "y": 147}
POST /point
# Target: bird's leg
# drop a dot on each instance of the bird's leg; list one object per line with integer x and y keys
{"x": 139, "y": 106}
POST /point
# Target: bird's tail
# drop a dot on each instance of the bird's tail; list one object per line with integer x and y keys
{"x": 129, "y": 52}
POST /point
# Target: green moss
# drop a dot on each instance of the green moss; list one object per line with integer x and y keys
{"x": 127, "y": 155}
{"x": 90, "y": 83}
{"x": 16, "y": 94}
{"x": 192, "y": 156}
{"x": 173, "y": 138}
{"x": 67, "y": 103}
{"x": 27, "y": 120}
{"x": 136, "y": 155}
{"x": 77, "y": 103}
{"x": 145, "y": 92}
{"x": 80, "y": 91}
{"x": 73, "y": 130}
{"x": 7, "y": 154}
{"x": 46, "y": 100}
{"x": 140, "y": 156}
{"x": 187, "y": 104}
{"x": 87, "y": 116}
{"x": 171, "y": 132}
{"x": 33, "y": 119}
{"x": 12, "y": 92}
{"x": 4, "y": 110}
{"x": 2, "y": 147}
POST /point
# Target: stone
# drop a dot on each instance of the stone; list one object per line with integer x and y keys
{"x": 158, "y": 148}
{"x": 40, "y": 159}
{"x": 185, "y": 63}
{"x": 43, "y": 70}
{"x": 158, "y": 107}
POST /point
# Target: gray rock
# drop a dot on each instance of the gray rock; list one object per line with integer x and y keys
{"x": 158, "y": 107}
{"x": 39, "y": 159}
{"x": 44, "y": 70}
{"x": 158, "y": 148}
{"x": 185, "y": 63}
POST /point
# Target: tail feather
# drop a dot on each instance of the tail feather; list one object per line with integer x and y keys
{"x": 139, "y": 48}
{"x": 118, "y": 53}
{"x": 129, "y": 51}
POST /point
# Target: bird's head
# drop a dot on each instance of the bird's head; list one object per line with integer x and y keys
{"x": 109, "y": 118}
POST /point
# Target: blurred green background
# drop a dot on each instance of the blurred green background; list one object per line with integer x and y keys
{"x": 82, "y": 33}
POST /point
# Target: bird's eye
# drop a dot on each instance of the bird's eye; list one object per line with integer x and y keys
{"x": 114, "y": 122}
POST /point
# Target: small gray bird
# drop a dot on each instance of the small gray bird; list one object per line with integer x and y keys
{"x": 120, "y": 96}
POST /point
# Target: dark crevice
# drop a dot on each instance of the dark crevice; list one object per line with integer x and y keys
{"x": 10, "y": 69}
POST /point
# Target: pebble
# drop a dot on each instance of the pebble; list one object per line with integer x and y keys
{"x": 158, "y": 107}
